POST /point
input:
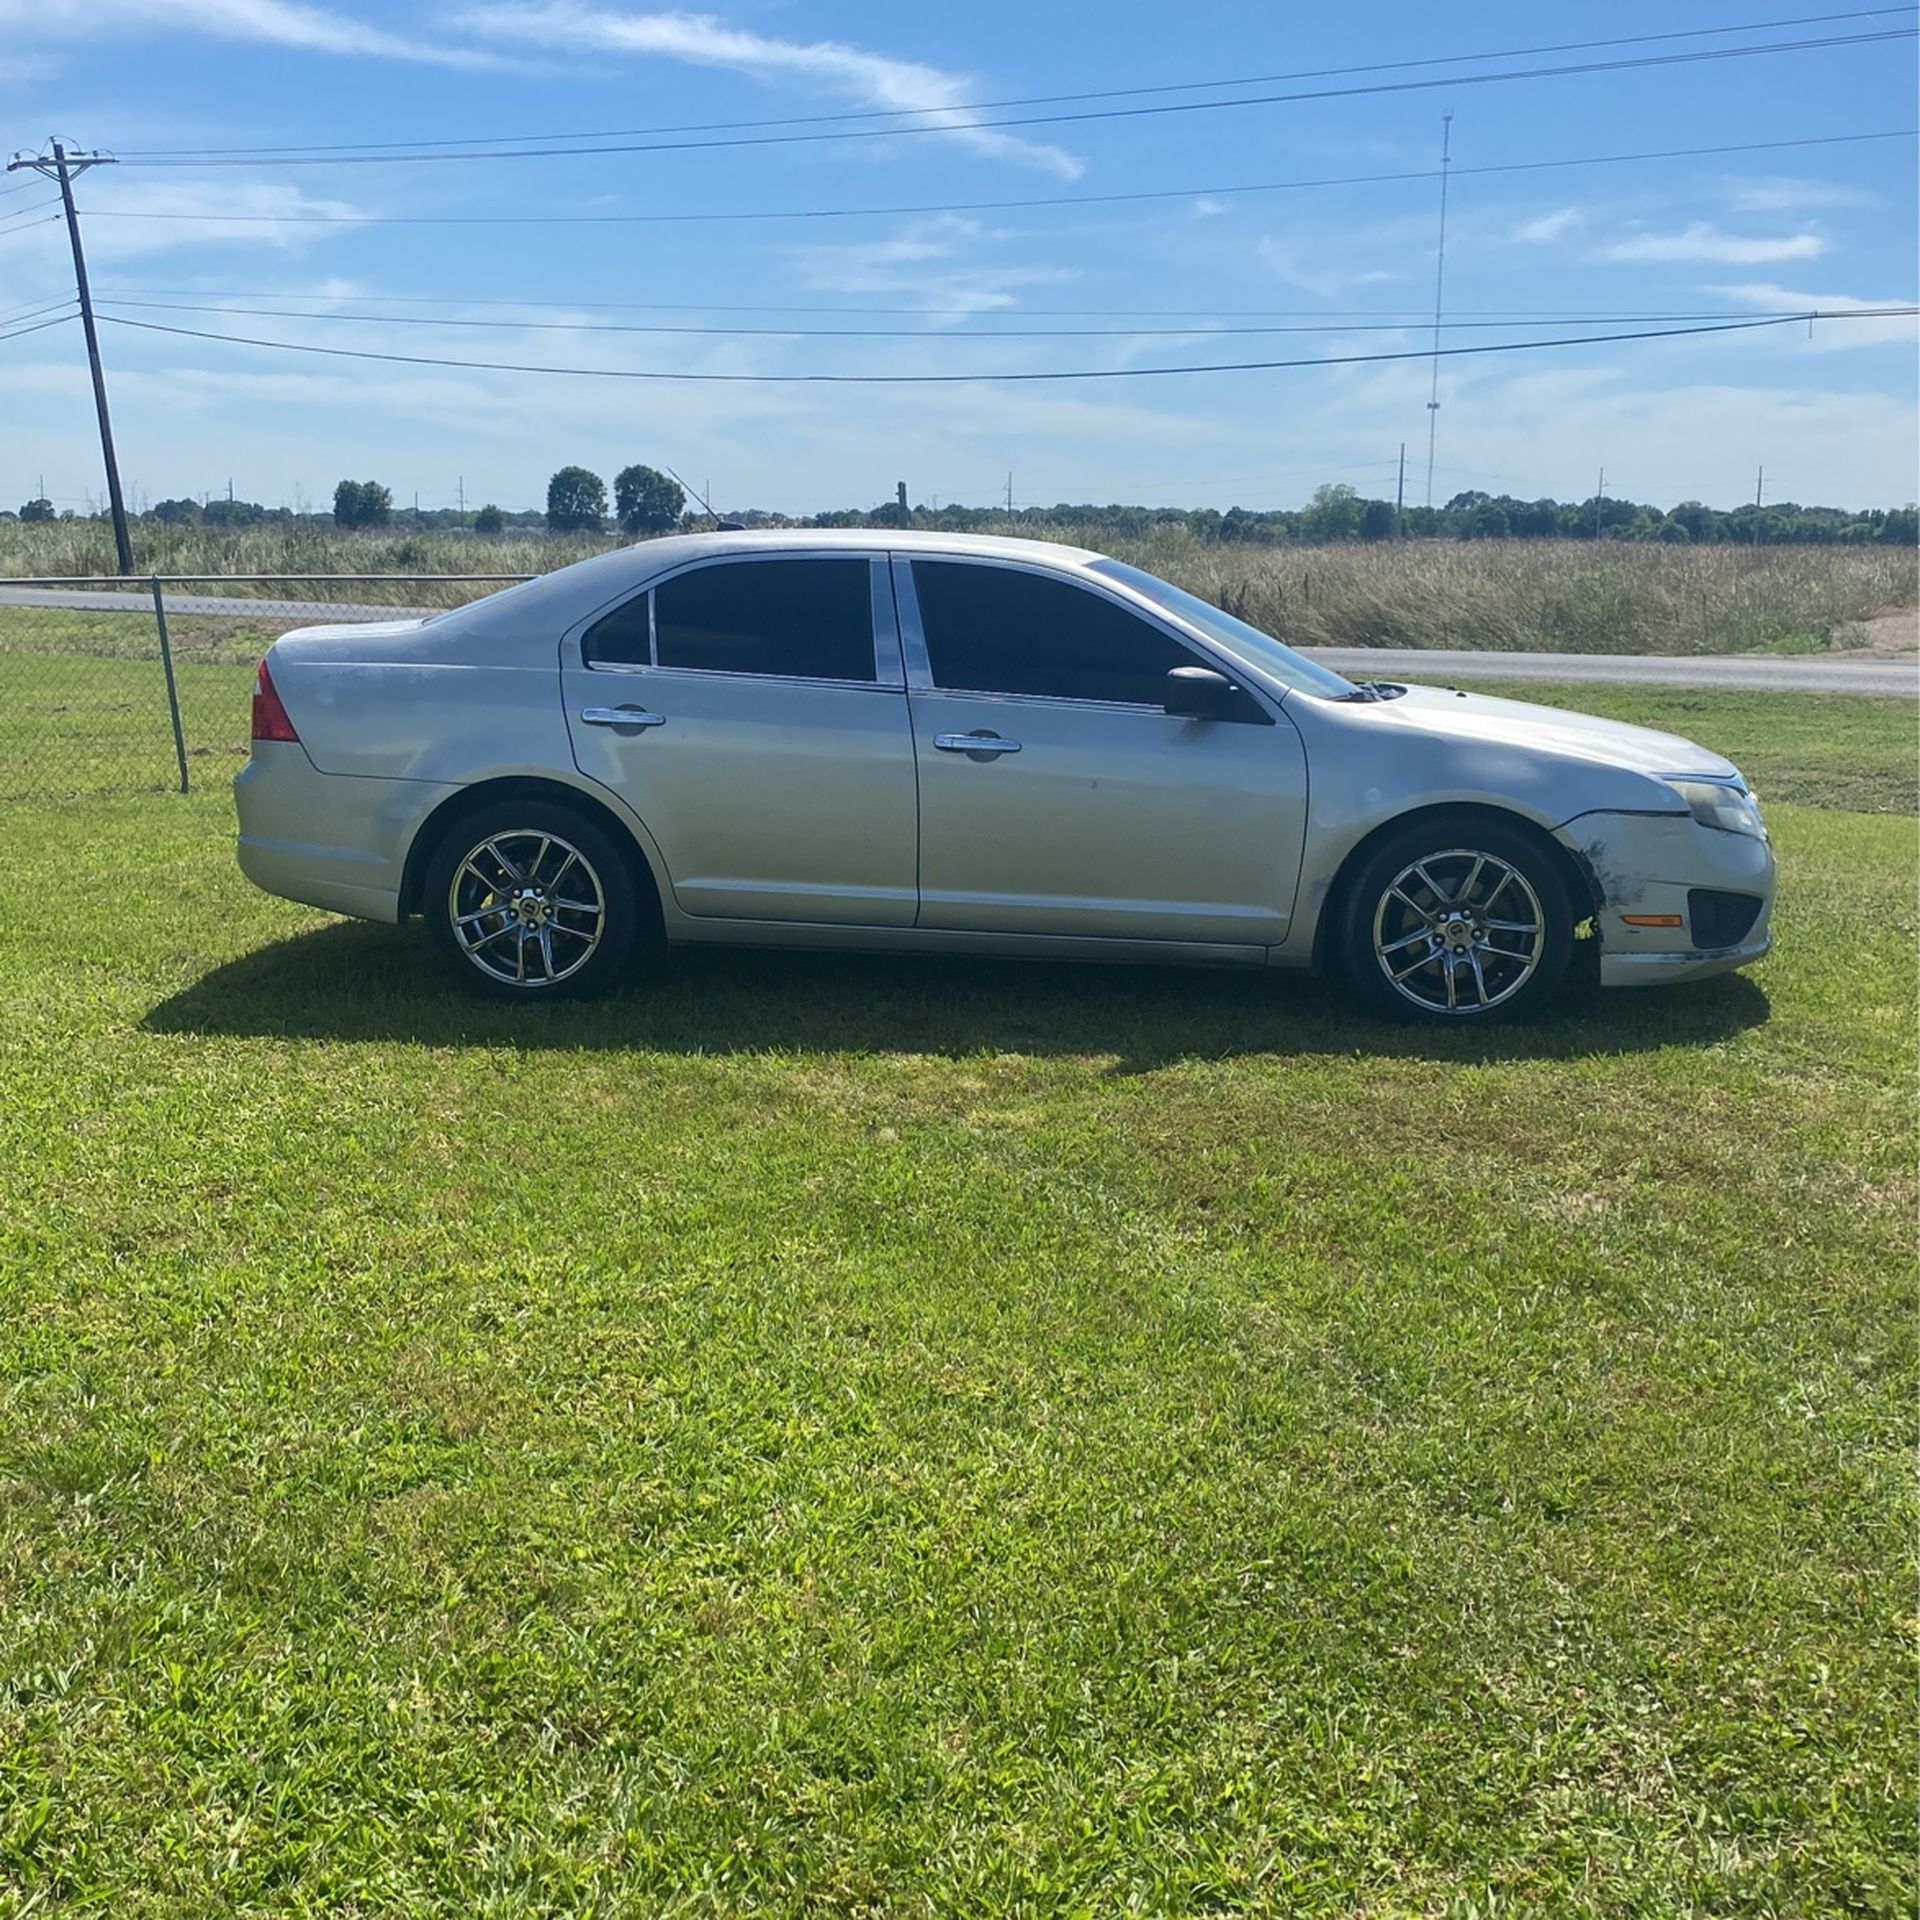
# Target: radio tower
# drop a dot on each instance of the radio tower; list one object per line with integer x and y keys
{"x": 1439, "y": 284}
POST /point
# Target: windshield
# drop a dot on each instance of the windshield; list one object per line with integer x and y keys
{"x": 1245, "y": 643}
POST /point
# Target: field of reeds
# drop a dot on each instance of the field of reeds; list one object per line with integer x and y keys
{"x": 1553, "y": 595}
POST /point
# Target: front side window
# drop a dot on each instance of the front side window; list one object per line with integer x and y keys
{"x": 806, "y": 619}
{"x": 996, "y": 629}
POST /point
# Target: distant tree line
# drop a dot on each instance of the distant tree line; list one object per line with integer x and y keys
{"x": 648, "y": 501}
{"x": 1340, "y": 513}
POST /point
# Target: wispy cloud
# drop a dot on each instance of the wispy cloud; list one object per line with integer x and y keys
{"x": 280, "y": 23}
{"x": 1891, "y": 330}
{"x": 698, "y": 39}
{"x": 1779, "y": 193}
{"x": 199, "y": 214}
{"x": 1704, "y": 242}
{"x": 1548, "y": 228}
{"x": 1325, "y": 279}
{"x": 926, "y": 266}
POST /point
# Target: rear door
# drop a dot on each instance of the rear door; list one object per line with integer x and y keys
{"x": 752, "y": 711}
{"x": 1058, "y": 796}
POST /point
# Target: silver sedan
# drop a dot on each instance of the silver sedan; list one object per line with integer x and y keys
{"x": 954, "y": 744}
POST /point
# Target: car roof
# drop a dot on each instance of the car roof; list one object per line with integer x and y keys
{"x": 555, "y": 600}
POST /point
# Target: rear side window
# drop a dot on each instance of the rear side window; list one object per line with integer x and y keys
{"x": 997, "y": 630}
{"x": 809, "y": 619}
{"x": 621, "y": 638}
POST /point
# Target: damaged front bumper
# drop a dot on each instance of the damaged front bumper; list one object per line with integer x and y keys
{"x": 1677, "y": 900}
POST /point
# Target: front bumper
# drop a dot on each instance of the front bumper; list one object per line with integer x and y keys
{"x": 1646, "y": 865}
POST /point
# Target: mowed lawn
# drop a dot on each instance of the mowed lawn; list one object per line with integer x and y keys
{"x": 864, "y": 1437}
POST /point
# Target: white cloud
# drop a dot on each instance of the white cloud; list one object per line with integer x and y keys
{"x": 281, "y": 23}
{"x": 926, "y": 266}
{"x": 1782, "y": 194}
{"x": 1892, "y": 330}
{"x": 1208, "y": 208}
{"x": 198, "y": 214}
{"x": 1324, "y": 279}
{"x": 1548, "y": 227}
{"x": 1702, "y": 241}
{"x": 698, "y": 39}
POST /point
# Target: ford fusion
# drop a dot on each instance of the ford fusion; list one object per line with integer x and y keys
{"x": 969, "y": 745}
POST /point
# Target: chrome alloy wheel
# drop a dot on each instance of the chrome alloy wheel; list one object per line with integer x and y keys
{"x": 1459, "y": 932}
{"x": 527, "y": 909}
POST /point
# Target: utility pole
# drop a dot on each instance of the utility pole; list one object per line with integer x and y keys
{"x": 1759, "y": 482}
{"x": 65, "y": 167}
{"x": 1439, "y": 282}
{"x": 1599, "y": 496}
{"x": 1400, "y": 497}
{"x": 460, "y": 489}
{"x": 1009, "y": 490}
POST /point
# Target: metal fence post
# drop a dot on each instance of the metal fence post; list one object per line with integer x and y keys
{"x": 173, "y": 693}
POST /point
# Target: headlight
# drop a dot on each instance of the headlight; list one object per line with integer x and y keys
{"x": 1715, "y": 804}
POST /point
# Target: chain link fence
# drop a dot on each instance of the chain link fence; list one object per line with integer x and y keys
{"x": 125, "y": 686}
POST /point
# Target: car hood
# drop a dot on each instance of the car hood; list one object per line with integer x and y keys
{"x": 1518, "y": 723}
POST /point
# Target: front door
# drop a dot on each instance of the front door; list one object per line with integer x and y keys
{"x": 752, "y": 713}
{"x": 1057, "y": 795}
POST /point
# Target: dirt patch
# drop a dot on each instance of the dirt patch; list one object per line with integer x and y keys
{"x": 1897, "y": 630}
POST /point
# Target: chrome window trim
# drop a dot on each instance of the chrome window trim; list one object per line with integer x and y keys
{"x": 919, "y": 662}
{"x": 889, "y": 668}
{"x": 913, "y": 636}
{"x": 767, "y": 679}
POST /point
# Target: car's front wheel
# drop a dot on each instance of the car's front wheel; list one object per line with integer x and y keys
{"x": 1458, "y": 919}
{"x": 528, "y": 899}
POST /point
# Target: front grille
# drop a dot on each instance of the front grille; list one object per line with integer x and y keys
{"x": 1720, "y": 919}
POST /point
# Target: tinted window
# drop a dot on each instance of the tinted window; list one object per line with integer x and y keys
{"x": 618, "y": 638}
{"x": 1000, "y": 631}
{"x": 809, "y": 618}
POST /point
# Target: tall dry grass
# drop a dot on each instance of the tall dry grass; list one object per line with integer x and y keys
{"x": 1557, "y": 596}
{"x": 1563, "y": 596}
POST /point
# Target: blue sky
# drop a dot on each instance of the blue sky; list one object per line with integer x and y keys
{"x": 1158, "y": 282}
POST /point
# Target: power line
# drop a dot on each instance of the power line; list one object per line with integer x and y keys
{"x": 995, "y": 106}
{"x": 1399, "y": 315}
{"x": 59, "y": 320}
{"x": 1025, "y": 204}
{"x": 990, "y": 379}
{"x": 33, "y": 312}
{"x": 910, "y": 333}
{"x": 394, "y": 157}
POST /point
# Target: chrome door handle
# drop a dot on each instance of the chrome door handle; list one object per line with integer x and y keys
{"x": 984, "y": 744}
{"x": 622, "y": 717}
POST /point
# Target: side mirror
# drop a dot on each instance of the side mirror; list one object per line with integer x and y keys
{"x": 1198, "y": 693}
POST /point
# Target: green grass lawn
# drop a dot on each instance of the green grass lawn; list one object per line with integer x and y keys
{"x": 850, "y": 1436}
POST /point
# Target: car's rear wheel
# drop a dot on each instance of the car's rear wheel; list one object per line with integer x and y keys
{"x": 1458, "y": 919}
{"x": 529, "y": 900}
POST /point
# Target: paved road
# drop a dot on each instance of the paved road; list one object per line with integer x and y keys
{"x": 289, "y": 611}
{"x": 1825, "y": 673}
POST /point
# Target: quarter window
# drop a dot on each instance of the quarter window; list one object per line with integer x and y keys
{"x": 621, "y": 638}
{"x": 998, "y": 630}
{"x": 810, "y": 619}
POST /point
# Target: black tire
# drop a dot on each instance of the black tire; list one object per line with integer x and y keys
{"x": 1457, "y": 935}
{"x": 502, "y": 924}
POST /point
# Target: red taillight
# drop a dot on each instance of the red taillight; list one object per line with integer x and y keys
{"x": 270, "y": 720}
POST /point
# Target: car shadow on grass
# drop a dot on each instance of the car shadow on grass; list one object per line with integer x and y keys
{"x": 354, "y": 982}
